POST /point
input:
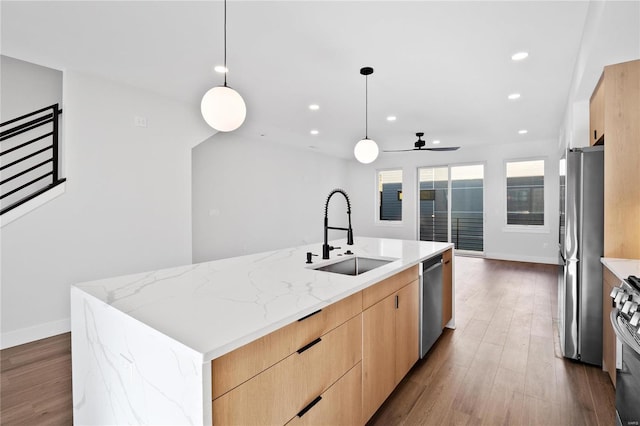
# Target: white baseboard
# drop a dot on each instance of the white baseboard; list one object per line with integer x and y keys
{"x": 36, "y": 332}
{"x": 521, "y": 258}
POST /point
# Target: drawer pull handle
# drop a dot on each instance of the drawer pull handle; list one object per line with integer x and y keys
{"x": 310, "y": 315}
{"x": 309, "y": 407}
{"x": 308, "y": 345}
{"x": 447, "y": 262}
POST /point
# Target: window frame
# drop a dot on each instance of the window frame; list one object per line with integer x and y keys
{"x": 377, "y": 220}
{"x": 534, "y": 229}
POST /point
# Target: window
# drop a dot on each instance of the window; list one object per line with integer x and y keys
{"x": 390, "y": 195}
{"x": 525, "y": 192}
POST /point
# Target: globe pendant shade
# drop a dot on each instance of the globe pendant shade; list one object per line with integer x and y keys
{"x": 223, "y": 109}
{"x": 366, "y": 151}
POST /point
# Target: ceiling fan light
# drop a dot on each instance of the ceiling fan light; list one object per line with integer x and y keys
{"x": 366, "y": 151}
{"x": 223, "y": 109}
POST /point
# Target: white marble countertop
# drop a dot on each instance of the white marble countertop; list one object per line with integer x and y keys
{"x": 215, "y": 307}
{"x": 622, "y": 268}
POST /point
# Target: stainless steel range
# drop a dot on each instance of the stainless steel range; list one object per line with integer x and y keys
{"x": 625, "y": 319}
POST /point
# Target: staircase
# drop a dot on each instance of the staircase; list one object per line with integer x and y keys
{"x": 29, "y": 164}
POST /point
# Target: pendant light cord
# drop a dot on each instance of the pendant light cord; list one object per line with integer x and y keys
{"x": 366, "y": 106}
{"x": 225, "y": 44}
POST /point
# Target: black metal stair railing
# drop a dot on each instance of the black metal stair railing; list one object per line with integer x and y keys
{"x": 29, "y": 156}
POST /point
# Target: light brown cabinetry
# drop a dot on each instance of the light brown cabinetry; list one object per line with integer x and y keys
{"x": 596, "y": 114}
{"x": 339, "y": 405}
{"x": 272, "y": 379}
{"x": 335, "y": 366}
{"x": 407, "y": 329}
{"x": 245, "y": 362}
{"x": 619, "y": 87}
{"x": 609, "y": 281}
{"x": 390, "y": 321}
{"x": 447, "y": 287}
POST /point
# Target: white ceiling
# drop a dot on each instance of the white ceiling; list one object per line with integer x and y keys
{"x": 441, "y": 67}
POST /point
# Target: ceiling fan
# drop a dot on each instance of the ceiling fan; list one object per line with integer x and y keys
{"x": 419, "y": 146}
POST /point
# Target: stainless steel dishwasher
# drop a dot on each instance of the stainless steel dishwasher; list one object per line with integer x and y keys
{"x": 430, "y": 303}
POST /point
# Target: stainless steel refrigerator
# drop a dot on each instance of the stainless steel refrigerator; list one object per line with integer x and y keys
{"x": 581, "y": 247}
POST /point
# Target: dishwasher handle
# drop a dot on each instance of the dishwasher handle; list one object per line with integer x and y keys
{"x": 432, "y": 267}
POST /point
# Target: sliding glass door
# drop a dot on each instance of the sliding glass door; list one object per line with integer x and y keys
{"x": 434, "y": 204}
{"x": 451, "y": 206}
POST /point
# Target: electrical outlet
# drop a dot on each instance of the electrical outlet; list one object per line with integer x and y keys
{"x": 140, "y": 121}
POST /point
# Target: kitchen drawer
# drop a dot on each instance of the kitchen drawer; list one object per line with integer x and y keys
{"x": 237, "y": 367}
{"x": 377, "y": 292}
{"x": 278, "y": 393}
{"x": 341, "y": 404}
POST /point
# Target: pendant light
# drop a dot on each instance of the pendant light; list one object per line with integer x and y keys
{"x": 366, "y": 150}
{"x": 222, "y": 107}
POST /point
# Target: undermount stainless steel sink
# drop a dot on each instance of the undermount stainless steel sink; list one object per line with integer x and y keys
{"x": 353, "y": 265}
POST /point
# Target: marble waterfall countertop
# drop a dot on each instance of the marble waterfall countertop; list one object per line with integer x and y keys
{"x": 622, "y": 268}
{"x": 215, "y": 307}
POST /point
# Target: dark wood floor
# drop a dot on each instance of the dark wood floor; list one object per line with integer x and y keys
{"x": 35, "y": 383}
{"x": 500, "y": 366}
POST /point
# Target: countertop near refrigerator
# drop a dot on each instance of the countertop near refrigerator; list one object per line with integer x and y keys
{"x": 622, "y": 268}
{"x": 142, "y": 344}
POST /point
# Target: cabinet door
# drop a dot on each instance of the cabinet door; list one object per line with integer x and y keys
{"x": 596, "y": 113}
{"x": 378, "y": 354}
{"x": 407, "y": 321}
{"x": 447, "y": 287}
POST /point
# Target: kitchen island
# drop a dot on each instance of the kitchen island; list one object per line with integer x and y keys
{"x": 143, "y": 344}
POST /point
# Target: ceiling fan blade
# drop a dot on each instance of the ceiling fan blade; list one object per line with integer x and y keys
{"x": 451, "y": 148}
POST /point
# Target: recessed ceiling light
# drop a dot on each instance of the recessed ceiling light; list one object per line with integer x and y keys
{"x": 523, "y": 132}
{"x": 436, "y": 142}
{"x": 391, "y": 118}
{"x": 519, "y": 56}
{"x": 221, "y": 69}
{"x": 314, "y": 107}
{"x": 514, "y": 96}
{"x": 314, "y": 132}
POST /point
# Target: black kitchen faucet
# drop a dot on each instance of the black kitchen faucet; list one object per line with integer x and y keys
{"x": 326, "y": 248}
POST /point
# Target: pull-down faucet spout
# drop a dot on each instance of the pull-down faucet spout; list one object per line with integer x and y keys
{"x": 326, "y": 248}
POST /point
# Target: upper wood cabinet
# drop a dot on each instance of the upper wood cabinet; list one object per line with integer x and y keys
{"x": 620, "y": 89}
{"x": 596, "y": 114}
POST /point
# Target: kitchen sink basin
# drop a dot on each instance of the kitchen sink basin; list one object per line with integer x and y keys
{"x": 353, "y": 265}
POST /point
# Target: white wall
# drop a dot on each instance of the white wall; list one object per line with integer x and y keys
{"x": 499, "y": 243}
{"x": 127, "y": 207}
{"x": 611, "y": 35}
{"x": 251, "y": 195}
{"x": 27, "y": 87}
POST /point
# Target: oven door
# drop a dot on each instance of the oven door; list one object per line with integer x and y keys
{"x": 628, "y": 376}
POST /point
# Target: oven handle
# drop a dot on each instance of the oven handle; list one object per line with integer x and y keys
{"x": 623, "y": 335}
